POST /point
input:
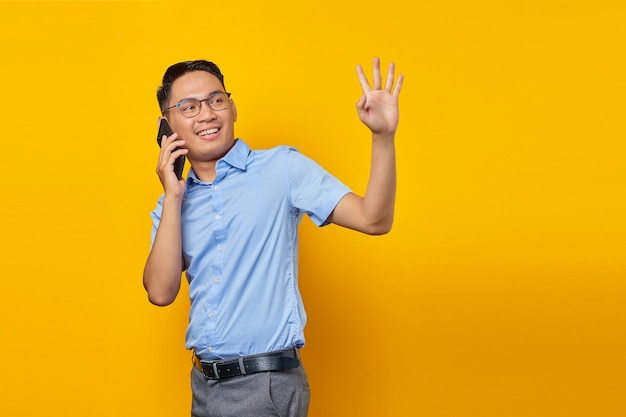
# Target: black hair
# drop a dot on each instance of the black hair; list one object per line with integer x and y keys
{"x": 178, "y": 70}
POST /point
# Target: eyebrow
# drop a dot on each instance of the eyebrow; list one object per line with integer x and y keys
{"x": 212, "y": 93}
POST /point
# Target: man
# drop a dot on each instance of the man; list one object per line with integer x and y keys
{"x": 232, "y": 226}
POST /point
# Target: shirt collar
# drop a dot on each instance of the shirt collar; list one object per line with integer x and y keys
{"x": 236, "y": 157}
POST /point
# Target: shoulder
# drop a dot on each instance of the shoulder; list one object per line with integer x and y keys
{"x": 277, "y": 150}
{"x": 275, "y": 154}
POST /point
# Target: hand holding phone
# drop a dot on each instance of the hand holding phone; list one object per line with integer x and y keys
{"x": 179, "y": 164}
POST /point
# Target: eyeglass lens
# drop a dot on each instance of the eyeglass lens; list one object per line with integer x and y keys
{"x": 191, "y": 107}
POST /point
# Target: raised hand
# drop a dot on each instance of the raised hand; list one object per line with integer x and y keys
{"x": 378, "y": 107}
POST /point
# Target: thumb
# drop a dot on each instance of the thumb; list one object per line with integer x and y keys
{"x": 361, "y": 103}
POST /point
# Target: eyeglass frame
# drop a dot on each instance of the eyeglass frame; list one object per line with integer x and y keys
{"x": 213, "y": 94}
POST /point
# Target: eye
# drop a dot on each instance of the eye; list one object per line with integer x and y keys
{"x": 217, "y": 99}
{"x": 187, "y": 107}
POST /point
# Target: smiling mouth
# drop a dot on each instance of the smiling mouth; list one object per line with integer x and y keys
{"x": 208, "y": 132}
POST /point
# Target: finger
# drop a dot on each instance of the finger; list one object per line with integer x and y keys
{"x": 166, "y": 140}
{"x": 398, "y": 87}
{"x": 167, "y": 159}
{"x": 378, "y": 82}
{"x": 389, "y": 81}
{"x": 365, "y": 85}
{"x": 175, "y": 154}
{"x": 361, "y": 103}
{"x": 175, "y": 145}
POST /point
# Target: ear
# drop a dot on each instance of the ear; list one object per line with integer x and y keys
{"x": 158, "y": 122}
{"x": 234, "y": 109}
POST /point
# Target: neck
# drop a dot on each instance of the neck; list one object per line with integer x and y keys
{"x": 205, "y": 171}
{"x": 204, "y": 165}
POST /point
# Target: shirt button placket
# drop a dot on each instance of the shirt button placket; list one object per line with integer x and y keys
{"x": 218, "y": 208}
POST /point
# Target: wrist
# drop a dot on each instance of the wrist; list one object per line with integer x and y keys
{"x": 173, "y": 198}
{"x": 383, "y": 137}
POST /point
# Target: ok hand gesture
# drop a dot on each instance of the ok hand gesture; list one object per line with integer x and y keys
{"x": 378, "y": 107}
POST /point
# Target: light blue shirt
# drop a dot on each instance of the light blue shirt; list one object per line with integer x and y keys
{"x": 240, "y": 247}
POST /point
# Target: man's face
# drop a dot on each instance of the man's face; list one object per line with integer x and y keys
{"x": 210, "y": 134}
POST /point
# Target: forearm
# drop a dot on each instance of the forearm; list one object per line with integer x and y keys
{"x": 372, "y": 213}
{"x": 379, "y": 200}
{"x": 163, "y": 269}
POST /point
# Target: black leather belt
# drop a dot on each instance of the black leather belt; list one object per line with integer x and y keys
{"x": 273, "y": 361}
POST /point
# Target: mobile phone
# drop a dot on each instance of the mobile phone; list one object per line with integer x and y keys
{"x": 179, "y": 164}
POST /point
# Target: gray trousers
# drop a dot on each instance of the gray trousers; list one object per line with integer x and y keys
{"x": 264, "y": 394}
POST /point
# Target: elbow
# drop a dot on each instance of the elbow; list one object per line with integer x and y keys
{"x": 382, "y": 231}
{"x": 162, "y": 289}
{"x": 160, "y": 300}
{"x": 378, "y": 231}
{"x": 160, "y": 295}
{"x": 380, "y": 228}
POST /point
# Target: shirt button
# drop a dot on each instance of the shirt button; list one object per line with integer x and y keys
{"x": 216, "y": 281}
{"x": 217, "y": 187}
{"x": 211, "y": 314}
{"x": 217, "y": 217}
{"x": 220, "y": 248}
{"x": 210, "y": 348}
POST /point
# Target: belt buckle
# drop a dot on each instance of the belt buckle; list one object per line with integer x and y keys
{"x": 213, "y": 366}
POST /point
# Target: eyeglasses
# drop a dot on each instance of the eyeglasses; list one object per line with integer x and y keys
{"x": 190, "y": 107}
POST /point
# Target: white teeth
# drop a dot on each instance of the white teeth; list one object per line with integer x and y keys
{"x": 207, "y": 132}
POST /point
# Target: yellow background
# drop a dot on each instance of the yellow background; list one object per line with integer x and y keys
{"x": 500, "y": 290}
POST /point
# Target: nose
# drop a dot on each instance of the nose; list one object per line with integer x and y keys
{"x": 206, "y": 112}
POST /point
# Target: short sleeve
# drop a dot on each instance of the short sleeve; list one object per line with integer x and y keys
{"x": 155, "y": 215}
{"x": 312, "y": 189}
